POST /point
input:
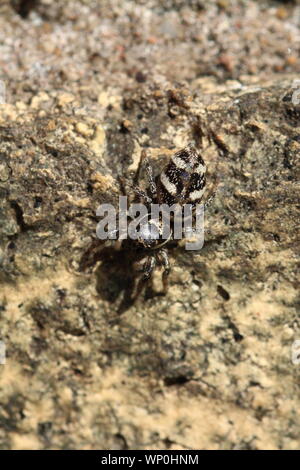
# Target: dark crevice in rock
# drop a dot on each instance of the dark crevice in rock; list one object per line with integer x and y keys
{"x": 24, "y": 7}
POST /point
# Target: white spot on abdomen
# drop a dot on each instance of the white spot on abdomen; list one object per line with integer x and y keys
{"x": 170, "y": 187}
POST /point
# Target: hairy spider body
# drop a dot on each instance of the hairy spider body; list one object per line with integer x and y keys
{"x": 181, "y": 181}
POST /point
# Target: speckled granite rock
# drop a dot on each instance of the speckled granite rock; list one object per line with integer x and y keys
{"x": 209, "y": 364}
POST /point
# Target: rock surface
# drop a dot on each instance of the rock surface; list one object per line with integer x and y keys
{"x": 208, "y": 365}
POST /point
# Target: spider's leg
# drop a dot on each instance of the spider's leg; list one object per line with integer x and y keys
{"x": 145, "y": 162}
{"x": 152, "y": 184}
{"x": 146, "y": 268}
{"x": 142, "y": 194}
{"x": 164, "y": 260}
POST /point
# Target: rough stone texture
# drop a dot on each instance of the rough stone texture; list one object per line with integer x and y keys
{"x": 209, "y": 364}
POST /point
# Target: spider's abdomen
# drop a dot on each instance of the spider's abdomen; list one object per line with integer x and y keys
{"x": 183, "y": 179}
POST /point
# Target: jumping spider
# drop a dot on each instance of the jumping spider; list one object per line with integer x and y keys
{"x": 181, "y": 181}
